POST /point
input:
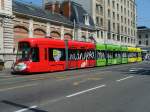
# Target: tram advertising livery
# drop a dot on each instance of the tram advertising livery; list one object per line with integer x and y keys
{"x": 48, "y": 55}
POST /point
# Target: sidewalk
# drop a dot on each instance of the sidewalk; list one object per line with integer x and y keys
{"x": 6, "y": 71}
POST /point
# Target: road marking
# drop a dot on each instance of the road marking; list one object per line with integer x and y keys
{"x": 133, "y": 70}
{"x": 78, "y": 93}
{"x": 85, "y": 80}
{"x": 26, "y": 109}
{"x": 124, "y": 78}
{"x": 17, "y": 87}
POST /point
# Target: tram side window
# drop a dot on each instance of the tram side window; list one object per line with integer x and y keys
{"x": 132, "y": 55}
{"x": 73, "y": 54}
{"x": 124, "y": 54}
{"x": 35, "y": 54}
{"x": 139, "y": 54}
{"x": 117, "y": 54}
{"x": 100, "y": 54}
{"x": 56, "y": 54}
{"x": 109, "y": 54}
{"x": 90, "y": 54}
{"x": 81, "y": 54}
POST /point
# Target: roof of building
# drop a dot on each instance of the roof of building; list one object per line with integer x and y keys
{"x": 143, "y": 28}
{"x": 78, "y": 13}
{"x": 38, "y": 12}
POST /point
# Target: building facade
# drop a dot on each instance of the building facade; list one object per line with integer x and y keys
{"x": 6, "y": 31}
{"x": 33, "y": 22}
{"x": 115, "y": 20}
{"x": 143, "y": 38}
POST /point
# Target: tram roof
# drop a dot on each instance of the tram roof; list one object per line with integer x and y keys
{"x": 132, "y": 49}
{"x": 54, "y": 42}
{"x": 112, "y": 47}
{"x": 100, "y": 47}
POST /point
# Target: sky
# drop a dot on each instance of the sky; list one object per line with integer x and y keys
{"x": 143, "y": 11}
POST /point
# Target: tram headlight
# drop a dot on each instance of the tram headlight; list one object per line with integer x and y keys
{"x": 20, "y": 67}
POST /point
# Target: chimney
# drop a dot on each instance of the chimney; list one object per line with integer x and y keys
{"x": 66, "y": 8}
{"x": 57, "y": 7}
{"x": 50, "y": 6}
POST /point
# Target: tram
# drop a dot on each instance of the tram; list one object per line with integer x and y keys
{"x": 37, "y": 55}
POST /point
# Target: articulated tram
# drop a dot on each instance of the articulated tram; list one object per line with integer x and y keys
{"x": 48, "y": 55}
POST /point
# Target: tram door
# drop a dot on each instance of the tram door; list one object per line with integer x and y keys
{"x": 72, "y": 58}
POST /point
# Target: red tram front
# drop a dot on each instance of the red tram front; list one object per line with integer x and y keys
{"x": 48, "y": 55}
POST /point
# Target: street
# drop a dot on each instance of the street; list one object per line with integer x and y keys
{"x": 119, "y": 88}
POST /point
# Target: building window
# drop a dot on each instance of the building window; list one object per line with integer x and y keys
{"x": 124, "y": 2}
{"x": 109, "y": 26}
{"x": 113, "y": 3}
{"x": 98, "y": 34}
{"x": 117, "y": 7}
{"x": 121, "y": 38}
{"x": 2, "y": 4}
{"x": 109, "y": 2}
{"x": 118, "y": 37}
{"x": 125, "y": 20}
{"x": 125, "y": 39}
{"x": 121, "y": 9}
{"x": 125, "y": 11}
{"x": 139, "y": 36}
{"x": 118, "y": 17}
{"x": 101, "y": 34}
{"x": 86, "y": 19}
{"x": 109, "y": 13}
{"x": 99, "y": 9}
{"x": 122, "y": 29}
{"x": 114, "y": 26}
{"x": 101, "y": 21}
{"x": 140, "y": 42}
{"x": 97, "y": 21}
{"x": 113, "y": 15}
{"x": 146, "y": 36}
{"x": 114, "y": 37}
{"x": 147, "y": 42}
{"x": 128, "y": 4}
{"x": 122, "y": 19}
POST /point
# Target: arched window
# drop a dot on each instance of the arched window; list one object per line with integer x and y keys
{"x": 67, "y": 36}
{"x": 39, "y": 33}
{"x": 55, "y": 35}
{"x": 19, "y": 32}
{"x": 83, "y": 38}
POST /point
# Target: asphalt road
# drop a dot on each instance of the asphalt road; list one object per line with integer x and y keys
{"x": 120, "y": 88}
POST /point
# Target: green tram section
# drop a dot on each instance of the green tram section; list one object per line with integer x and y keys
{"x": 113, "y": 54}
{"x": 100, "y": 55}
{"x": 124, "y": 51}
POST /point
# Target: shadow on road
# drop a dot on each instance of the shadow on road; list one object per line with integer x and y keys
{"x": 141, "y": 72}
{"x": 22, "y": 106}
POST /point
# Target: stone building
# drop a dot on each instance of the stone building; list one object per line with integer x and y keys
{"x": 34, "y": 22}
{"x": 21, "y": 20}
{"x": 115, "y": 20}
{"x": 6, "y": 31}
{"x": 84, "y": 28}
{"x": 143, "y": 38}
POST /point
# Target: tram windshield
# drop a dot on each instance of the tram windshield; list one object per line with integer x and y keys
{"x": 23, "y": 53}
